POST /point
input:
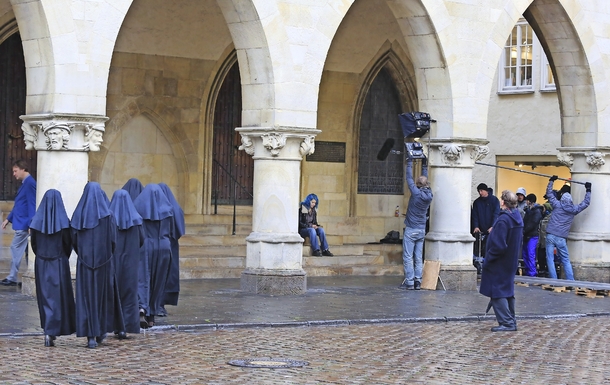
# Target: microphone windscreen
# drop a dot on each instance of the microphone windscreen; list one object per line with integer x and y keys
{"x": 385, "y": 149}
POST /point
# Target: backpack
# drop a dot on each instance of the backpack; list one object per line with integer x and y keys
{"x": 391, "y": 237}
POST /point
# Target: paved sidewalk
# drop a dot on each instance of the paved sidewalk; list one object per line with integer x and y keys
{"x": 341, "y": 300}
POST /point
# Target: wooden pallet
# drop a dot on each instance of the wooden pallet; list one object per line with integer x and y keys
{"x": 591, "y": 293}
{"x": 556, "y": 289}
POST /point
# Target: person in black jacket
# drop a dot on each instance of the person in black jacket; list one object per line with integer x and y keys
{"x": 531, "y": 222}
{"x": 309, "y": 226}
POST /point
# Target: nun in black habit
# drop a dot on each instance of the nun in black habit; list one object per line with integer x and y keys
{"x": 155, "y": 254}
{"x": 94, "y": 239}
{"x": 172, "y": 287}
{"x": 51, "y": 243}
{"x": 130, "y": 237}
{"x": 134, "y": 188}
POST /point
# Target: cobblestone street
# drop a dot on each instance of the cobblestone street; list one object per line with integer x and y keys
{"x": 543, "y": 351}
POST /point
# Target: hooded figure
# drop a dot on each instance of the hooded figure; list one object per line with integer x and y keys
{"x": 94, "y": 239}
{"x": 51, "y": 243}
{"x": 155, "y": 253}
{"x": 309, "y": 226}
{"x": 172, "y": 286}
{"x": 558, "y": 228}
{"x": 501, "y": 261}
{"x": 130, "y": 237}
{"x": 134, "y": 188}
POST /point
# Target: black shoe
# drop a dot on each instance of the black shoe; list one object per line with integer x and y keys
{"x": 91, "y": 344}
{"x": 316, "y": 253}
{"x": 327, "y": 253}
{"x": 143, "y": 322}
{"x": 7, "y": 282}
{"x": 122, "y": 335}
{"x": 101, "y": 338}
{"x": 503, "y": 328}
{"x": 48, "y": 340}
{"x": 417, "y": 285}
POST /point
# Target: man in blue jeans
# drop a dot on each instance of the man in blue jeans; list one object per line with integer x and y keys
{"x": 415, "y": 226}
{"x": 21, "y": 216}
{"x": 564, "y": 211}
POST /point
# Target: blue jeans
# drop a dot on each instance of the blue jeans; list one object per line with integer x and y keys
{"x": 555, "y": 242}
{"x": 313, "y": 239}
{"x": 412, "y": 247}
{"x": 18, "y": 246}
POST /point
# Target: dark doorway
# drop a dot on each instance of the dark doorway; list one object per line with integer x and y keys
{"x": 379, "y": 122}
{"x": 12, "y": 105}
{"x": 233, "y": 170}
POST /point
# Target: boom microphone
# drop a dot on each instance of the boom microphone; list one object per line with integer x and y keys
{"x": 385, "y": 149}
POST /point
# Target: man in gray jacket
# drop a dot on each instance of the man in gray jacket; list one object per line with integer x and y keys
{"x": 559, "y": 225}
{"x": 415, "y": 226}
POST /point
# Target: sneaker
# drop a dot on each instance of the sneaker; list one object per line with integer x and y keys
{"x": 316, "y": 253}
{"x": 7, "y": 282}
{"x": 327, "y": 253}
{"x": 417, "y": 285}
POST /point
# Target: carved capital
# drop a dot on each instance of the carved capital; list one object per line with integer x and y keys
{"x": 274, "y": 143}
{"x": 451, "y": 153}
{"x": 595, "y": 160}
{"x": 247, "y": 145}
{"x": 308, "y": 146}
{"x": 566, "y": 158}
{"x": 57, "y": 136}
{"x": 479, "y": 152}
{"x": 30, "y": 135}
{"x": 93, "y": 137}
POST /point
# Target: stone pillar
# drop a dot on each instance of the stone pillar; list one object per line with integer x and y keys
{"x": 449, "y": 240}
{"x": 274, "y": 256}
{"x": 589, "y": 238}
{"x": 62, "y": 142}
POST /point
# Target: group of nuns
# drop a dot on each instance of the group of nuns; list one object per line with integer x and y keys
{"x": 127, "y": 268}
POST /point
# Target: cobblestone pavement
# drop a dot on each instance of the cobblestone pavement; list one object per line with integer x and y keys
{"x": 543, "y": 351}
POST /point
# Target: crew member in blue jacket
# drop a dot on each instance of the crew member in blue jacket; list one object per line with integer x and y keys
{"x": 21, "y": 216}
{"x": 415, "y": 226}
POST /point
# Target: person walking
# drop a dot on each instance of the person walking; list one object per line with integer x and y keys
{"x": 558, "y": 228}
{"x": 501, "y": 261}
{"x": 52, "y": 245}
{"x": 20, "y": 217}
{"x": 415, "y": 226}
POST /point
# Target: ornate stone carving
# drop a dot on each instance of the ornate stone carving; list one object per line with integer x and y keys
{"x": 57, "y": 136}
{"x": 30, "y": 135}
{"x": 274, "y": 142}
{"x": 308, "y": 146}
{"x": 451, "y": 153}
{"x": 246, "y": 144}
{"x": 93, "y": 137}
{"x": 595, "y": 160}
{"x": 479, "y": 152}
{"x": 566, "y": 158}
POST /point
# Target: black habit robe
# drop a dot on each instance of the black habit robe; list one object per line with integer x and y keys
{"x": 156, "y": 253}
{"x": 94, "y": 239}
{"x": 130, "y": 237}
{"x": 172, "y": 287}
{"x": 51, "y": 243}
{"x": 133, "y": 187}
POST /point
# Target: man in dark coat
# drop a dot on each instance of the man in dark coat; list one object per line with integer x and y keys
{"x": 134, "y": 187}
{"x": 94, "y": 240}
{"x": 156, "y": 252}
{"x": 130, "y": 237}
{"x": 501, "y": 261}
{"x": 172, "y": 286}
{"x": 485, "y": 210}
{"x": 51, "y": 243}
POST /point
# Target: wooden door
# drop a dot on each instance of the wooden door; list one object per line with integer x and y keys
{"x": 233, "y": 169}
{"x": 12, "y": 105}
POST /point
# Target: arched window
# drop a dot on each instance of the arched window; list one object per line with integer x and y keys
{"x": 12, "y": 105}
{"x": 379, "y": 122}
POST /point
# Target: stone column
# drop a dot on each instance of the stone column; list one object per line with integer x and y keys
{"x": 62, "y": 142}
{"x": 449, "y": 240}
{"x": 589, "y": 238}
{"x": 274, "y": 254}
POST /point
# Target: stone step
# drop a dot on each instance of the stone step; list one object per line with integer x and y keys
{"x": 212, "y": 262}
{"x": 343, "y": 260}
{"x": 340, "y": 250}
{"x": 212, "y": 240}
{"x": 218, "y": 229}
{"x": 196, "y": 251}
{"x": 326, "y": 271}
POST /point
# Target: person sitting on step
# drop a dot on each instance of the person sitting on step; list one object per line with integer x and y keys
{"x": 309, "y": 227}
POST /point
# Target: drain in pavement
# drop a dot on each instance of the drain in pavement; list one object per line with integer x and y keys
{"x": 272, "y": 363}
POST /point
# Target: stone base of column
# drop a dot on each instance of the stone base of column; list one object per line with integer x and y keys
{"x": 458, "y": 278}
{"x": 28, "y": 285}
{"x": 592, "y": 273}
{"x": 274, "y": 282}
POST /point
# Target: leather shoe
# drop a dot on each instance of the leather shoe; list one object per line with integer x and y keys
{"x": 101, "y": 338}
{"x": 91, "y": 344}
{"x": 48, "y": 340}
{"x": 503, "y": 328}
{"x": 327, "y": 253}
{"x": 316, "y": 253}
{"x": 417, "y": 285}
{"x": 122, "y": 335}
{"x": 7, "y": 282}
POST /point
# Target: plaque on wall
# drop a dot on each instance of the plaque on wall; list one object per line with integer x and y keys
{"x": 328, "y": 152}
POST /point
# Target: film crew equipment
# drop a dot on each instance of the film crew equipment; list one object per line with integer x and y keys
{"x": 528, "y": 172}
{"x": 385, "y": 149}
{"x": 415, "y": 150}
{"x": 415, "y": 124}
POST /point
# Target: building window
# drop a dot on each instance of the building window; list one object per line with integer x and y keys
{"x": 547, "y": 82}
{"x": 517, "y": 60}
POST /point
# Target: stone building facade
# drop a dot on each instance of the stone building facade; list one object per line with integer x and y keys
{"x": 147, "y": 76}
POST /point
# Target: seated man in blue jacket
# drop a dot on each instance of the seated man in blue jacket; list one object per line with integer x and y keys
{"x": 309, "y": 227}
